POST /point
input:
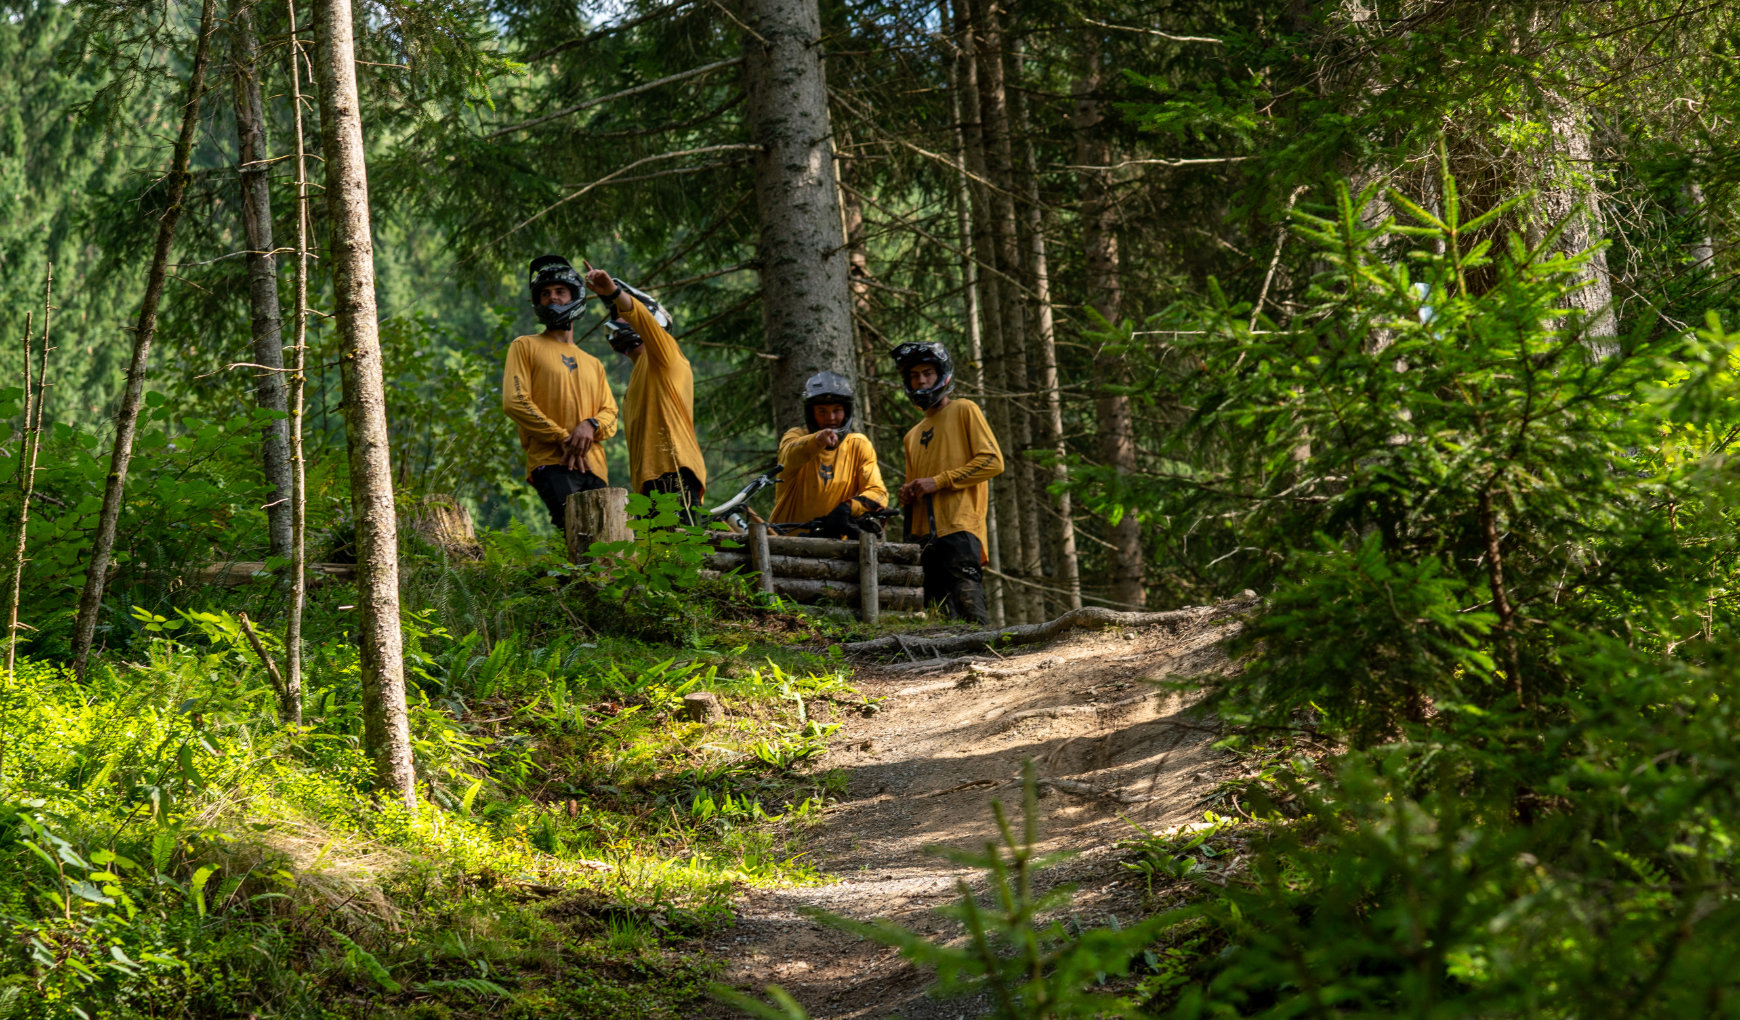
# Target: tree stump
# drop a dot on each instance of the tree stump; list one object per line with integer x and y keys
{"x": 598, "y": 515}
{"x": 701, "y": 707}
{"x": 444, "y": 523}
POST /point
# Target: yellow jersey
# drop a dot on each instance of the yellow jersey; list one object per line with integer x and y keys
{"x": 661, "y": 406}
{"x": 816, "y": 479}
{"x": 955, "y": 446}
{"x": 548, "y": 387}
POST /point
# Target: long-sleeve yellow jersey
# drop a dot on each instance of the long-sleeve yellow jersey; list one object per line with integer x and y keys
{"x": 816, "y": 479}
{"x": 955, "y": 446}
{"x": 661, "y": 406}
{"x": 550, "y": 386}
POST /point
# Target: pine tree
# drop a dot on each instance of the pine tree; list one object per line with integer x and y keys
{"x": 386, "y": 730}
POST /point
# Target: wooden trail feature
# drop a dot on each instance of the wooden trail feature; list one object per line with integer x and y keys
{"x": 812, "y": 571}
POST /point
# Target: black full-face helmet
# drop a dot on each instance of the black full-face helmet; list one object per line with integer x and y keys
{"x": 908, "y": 355}
{"x": 621, "y": 335}
{"x": 549, "y": 269}
{"x": 827, "y": 388}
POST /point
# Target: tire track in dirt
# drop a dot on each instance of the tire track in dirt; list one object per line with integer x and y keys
{"x": 1115, "y": 748}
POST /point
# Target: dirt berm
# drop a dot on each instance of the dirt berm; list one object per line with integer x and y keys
{"x": 1110, "y": 748}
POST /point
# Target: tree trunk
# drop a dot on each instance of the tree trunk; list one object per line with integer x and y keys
{"x": 1569, "y": 194}
{"x": 1005, "y": 494}
{"x": 262, "y": 276}
{"x": 869, "y": 345}
{"x": 127, "y": 417}
{"x": 971, "y": 303}
{"x": 386, "y": 732}
{"x": 29, "y": 445}
{"x": 1116, "y": 436}
{"x": 1011, "y": 303}
{"x": 1703, "y": 249}
{"x": 807, "y": 304}
{"x": 298, "y": 386}
{"x": 1067, "y": 572}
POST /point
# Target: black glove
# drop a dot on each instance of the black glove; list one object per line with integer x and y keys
{"x": 839, "y": 523}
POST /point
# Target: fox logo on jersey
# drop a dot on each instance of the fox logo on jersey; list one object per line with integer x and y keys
{"x": 573, "y": 365}
{"x": 827, "y": 471}
{"x": 925, "y": 437}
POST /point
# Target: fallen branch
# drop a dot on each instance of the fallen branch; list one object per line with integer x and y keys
{"x": 1033, "y": 633}
{"x": 1084, "y": 790}
{"x": 974, "y": 674}
{"x": 286, "y": 709}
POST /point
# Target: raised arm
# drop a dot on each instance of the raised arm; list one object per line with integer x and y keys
{"x": 797, "y": 447}
{"x": 870, "y": 485}
{"x": 516, "y": 397}
{"x": 659, "y": 345}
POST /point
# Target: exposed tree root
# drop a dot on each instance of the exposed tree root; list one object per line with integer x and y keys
{"x": 1033, "y": 633}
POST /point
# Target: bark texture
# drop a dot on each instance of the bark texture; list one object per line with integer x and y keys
{"x": 1009, "y": 304}
{"x": 806, "y": 303}
{"x": 1115, "y": 430}
{"x": 1569, "y": 194}
{"x": 133, "y": 394}
{"x": 386, "y": 733}
{"x": 1066, "y": 571}
{"x": 269, "y": 390}
{"x": 298, "y": 381}
{"x": 1005, "y": 548}
{"x": 29, "y": 444}
{"x": 971, "y": 301}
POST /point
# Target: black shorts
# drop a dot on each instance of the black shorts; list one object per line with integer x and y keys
{"x": 681, "y": 480}
{"x": 555, "y": 483}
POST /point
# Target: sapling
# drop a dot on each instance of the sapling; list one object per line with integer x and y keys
{"x": 133, "y": 396}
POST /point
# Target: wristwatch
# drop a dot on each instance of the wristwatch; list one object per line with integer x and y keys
{"x": 593, "y": 422}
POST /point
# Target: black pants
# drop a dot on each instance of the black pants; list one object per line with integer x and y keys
{"x": 952, "y": 578}
{"x": 681, "y": 480}
{"x": 554, "y": 484}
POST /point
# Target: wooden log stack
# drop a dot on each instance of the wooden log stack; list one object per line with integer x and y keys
{"x": 812, "y": 571}
{"x": 828, "y": 571}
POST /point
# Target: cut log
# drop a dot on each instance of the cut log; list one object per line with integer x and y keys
{"x": 760, "y": 558}
{"x": 231, "y": 575}
{"x": 869, "y": 578}
{"x": 597, "y": 515}
{"x": 841, "y": 593}
{"x": 445, "y": 524}
{"x": 820, "y": 569}
{"x": 837, "y": 549}
{"x": 1032, "y": 633}
{"x": 844, "y": 593}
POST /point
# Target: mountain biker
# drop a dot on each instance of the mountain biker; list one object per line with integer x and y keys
{"x": 556, "y": 393}
{"x": 951, "y": 456}
{"x": 830, "y": 471}
{"x": 663, "y": 453}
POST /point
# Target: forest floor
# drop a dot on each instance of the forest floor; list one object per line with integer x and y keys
{"x": 1111, "y": 750}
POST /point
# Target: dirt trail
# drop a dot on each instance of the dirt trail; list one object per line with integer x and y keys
{"x": 923, "y": 772}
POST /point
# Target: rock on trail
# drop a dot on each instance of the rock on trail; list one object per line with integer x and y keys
{"x": 1109, "y": 749}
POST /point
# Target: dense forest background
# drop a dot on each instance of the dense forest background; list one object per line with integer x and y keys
{"x": 1132, "y": 155}
{"x": 1412, "y": 318}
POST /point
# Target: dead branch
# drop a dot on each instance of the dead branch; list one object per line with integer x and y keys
{"x": 1033, "y": 633}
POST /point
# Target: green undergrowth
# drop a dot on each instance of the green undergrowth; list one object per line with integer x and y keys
{"x": 168, "y": 848}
